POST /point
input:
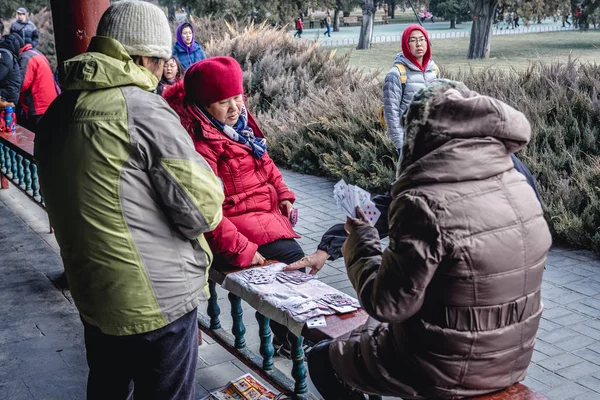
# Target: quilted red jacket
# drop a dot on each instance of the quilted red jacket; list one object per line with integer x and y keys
{"x": 38, "y": 89}
{"x": 253, "y": 187}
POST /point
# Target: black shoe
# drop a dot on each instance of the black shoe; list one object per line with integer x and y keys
{"x": 285, "y": 350}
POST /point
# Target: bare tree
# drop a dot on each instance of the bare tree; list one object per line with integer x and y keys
{"x": 481, "y": 32}
{"x": 366, "y": 29}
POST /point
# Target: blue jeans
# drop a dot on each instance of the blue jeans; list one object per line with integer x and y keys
{"x": 157, "y": 365}
{"x": 328, "y": 32}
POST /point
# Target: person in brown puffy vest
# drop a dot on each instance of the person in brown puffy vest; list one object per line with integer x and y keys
{"x": 455, "y": 300}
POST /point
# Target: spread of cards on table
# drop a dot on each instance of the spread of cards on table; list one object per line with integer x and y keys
{"x": 348, "y": 197}
{"x": 298, "y": 294}
{"x": 245, "y": 387}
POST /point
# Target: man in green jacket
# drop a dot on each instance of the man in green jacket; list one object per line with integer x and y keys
{"x": 129, "y": 199}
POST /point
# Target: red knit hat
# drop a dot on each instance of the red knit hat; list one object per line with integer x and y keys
{"x": 213, "y": 79}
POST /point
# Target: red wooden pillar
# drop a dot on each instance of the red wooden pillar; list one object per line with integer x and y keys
{"x": 75, "y": 23}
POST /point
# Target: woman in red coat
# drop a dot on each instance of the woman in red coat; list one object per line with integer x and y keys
{"x": 256, "y": 211}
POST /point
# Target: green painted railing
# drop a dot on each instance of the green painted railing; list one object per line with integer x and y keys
{"x": 17, "y": 165}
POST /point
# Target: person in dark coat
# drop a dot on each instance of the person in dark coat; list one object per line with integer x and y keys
{"x": 25, "y": 28}
{"x": 186, "y": 49}
{"x": 10, "y": 72}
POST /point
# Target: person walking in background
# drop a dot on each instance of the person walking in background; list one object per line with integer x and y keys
{"x": 24, "y": 27}
{"x": 130, "y": 201}
{"x": 186, "y": 49}
{"x": 516, "y": 19}
{"x": 311, "y": 19}
{"x": 10, "y": 71}
{"x": 172, "y": 73}
{"x": 38, "y": 89}
{"x": 299, "y": 26}
{"x": 455, "y": 299}
{"x": 328, "y": 24}
{"x": 413, "y": 69}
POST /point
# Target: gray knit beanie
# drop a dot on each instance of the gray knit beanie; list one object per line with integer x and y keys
{"x": 142, "y": 28}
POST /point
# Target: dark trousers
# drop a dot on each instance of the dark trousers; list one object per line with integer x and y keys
{"x": 157, "y": 365}
{"x": 324, "y": 378}
{"x": 285, "y": 251}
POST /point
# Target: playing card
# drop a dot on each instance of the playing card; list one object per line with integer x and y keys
{"x": 257, "y": 276}
{"x": 294, "y": 277}
{"x": 316, "y": 322}
{"x": 301, "y": 308}
{"x": 294, "y": 217}
{"x": 338, "y": 300}
{"x": 348, "y": 197}
{"x": 342, "y": 309}
{"x": 371, "y": 211}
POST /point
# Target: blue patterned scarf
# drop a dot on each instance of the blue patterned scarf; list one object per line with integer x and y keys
{"x": 241, "y": 132}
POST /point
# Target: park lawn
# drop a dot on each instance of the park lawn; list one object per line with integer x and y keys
{"x": 510, "y": 51}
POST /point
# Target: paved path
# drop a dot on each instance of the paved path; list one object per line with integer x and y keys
{"x": 393, "y": 32}
{"x": 41, "y": 345}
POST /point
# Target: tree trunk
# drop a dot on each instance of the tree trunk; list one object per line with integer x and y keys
{"x": 392, "y": 9}
{"x": 481, "y": 31}
{"x": 452, "y": 23}
{"x": 336, "y": 20}
{"x": 366, "y": 29}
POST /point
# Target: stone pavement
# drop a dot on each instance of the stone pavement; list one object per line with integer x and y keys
{"x": 41, "y": 344}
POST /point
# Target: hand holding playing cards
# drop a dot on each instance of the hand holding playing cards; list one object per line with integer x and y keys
{"x": 258, "y": 259}
{"x": 315, "y": 262}
{"x": 361, "y": 219}
{"x": 285, "y": 207}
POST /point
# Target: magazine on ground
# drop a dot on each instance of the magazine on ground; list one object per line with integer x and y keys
{"x": 246, "y": 387}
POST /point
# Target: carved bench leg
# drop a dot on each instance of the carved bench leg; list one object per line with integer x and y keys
{"x": 266, "y": 341}
{"x": 213, "y": 309}
{"x": 238, "y": 329}
{"x": 298, "y": 368}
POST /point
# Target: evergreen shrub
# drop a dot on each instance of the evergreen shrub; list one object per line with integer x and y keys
{"x": 562, "y": 103}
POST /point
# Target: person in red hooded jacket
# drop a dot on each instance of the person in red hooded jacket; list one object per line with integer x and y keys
{"x": 38, "y": 89}
{"x": 256, "y": 211}
{"x": 258, "y": 204}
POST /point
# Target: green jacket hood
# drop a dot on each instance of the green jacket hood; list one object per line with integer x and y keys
{"x": 106, "y": 65}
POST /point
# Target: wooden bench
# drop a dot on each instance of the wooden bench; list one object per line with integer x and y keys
{"x": 338, "y": 326}
{"x": 349, "y": 20}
